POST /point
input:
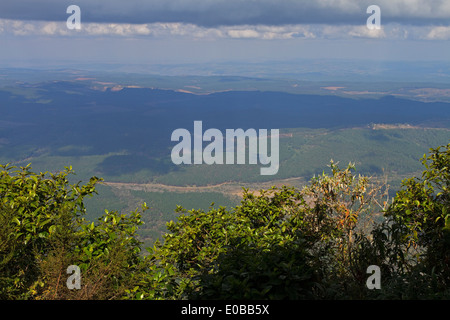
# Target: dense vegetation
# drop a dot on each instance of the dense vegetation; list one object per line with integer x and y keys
{"x": 283, "y": 243}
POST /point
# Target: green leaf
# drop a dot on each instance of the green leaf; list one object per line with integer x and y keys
{"x": 52, "y": 229}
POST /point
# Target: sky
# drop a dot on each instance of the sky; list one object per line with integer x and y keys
{"x": 35, "y": 33}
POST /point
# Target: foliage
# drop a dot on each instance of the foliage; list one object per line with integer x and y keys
{"x": 419, "y": 228}
{"x": 319, "y": 241}
{"x": 282, "y": 243}
{"x": 43, "y": 231}
{"x": 278, "y": 244}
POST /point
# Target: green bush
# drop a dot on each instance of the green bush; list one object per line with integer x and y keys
{"x": 281, "y": 243}
{"x": 43, "y": 231}
{"x": 418, "y": 229}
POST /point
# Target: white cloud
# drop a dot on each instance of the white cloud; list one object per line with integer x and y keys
{"x": 349, "y": 31}
{"x": 20, "y": 28}
{"x": 52, "y": 28}
{"x": 117, "y": 29}
{"x": 246, "y": 33}
{"x": 267, "y": 32}
{"x": 439, "y": 33}
{"x": 36, "y": 28}
{"x": 364, "y": 32}
{"x": 32, "y": 28}
{"x": 191, "y": 31}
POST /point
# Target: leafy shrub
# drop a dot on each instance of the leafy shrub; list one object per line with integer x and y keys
{"x": 281, "y": 243}
{"x": 43, "y": 231}
{"x": 418, "y": 230}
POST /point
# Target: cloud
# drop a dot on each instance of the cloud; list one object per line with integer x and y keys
{"x": 187, "y": 31}
{"x": 439, "y": 33}
{"x": 364, "y": 32}
{"x": 248, "y": 32}
{"x": 32, "y": 28}
{"x": 99, "y": 29}
{"x": 268, "y": 32}
{"x": 215, "y": 13}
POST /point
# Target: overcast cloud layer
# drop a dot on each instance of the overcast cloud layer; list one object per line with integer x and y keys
{"x": 213, "y": 13}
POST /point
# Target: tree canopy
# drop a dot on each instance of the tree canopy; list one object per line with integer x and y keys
{"x": 282, "y": 243}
